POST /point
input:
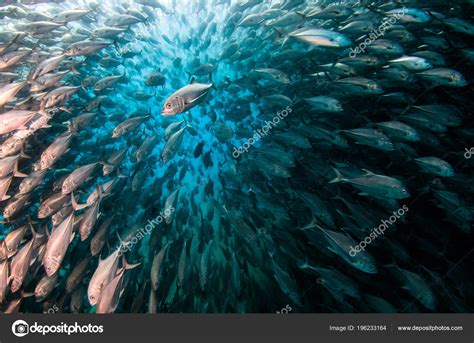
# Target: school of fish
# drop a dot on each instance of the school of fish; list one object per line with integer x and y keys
{"x": 135, "y": 177}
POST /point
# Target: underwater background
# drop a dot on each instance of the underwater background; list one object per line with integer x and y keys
{"x": 236, "y": 156}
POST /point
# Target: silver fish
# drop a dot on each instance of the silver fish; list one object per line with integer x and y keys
{"x": 57, "y": 245}
{"x": 185, "y": 98}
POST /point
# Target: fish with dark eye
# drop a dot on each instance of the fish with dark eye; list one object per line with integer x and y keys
{"x": 57, "y": 96}
{"x": 107, "y": 82}
{"x": 371, "y": 137}
{"x": 112, "y": 162}
{"x": 185, "y": 98}
{"x": 443, "y": 77}
{"x": 435, "y": 166}
{"x": 379, "y": 186}
{"x": 57, "y": 245}
{"x": 325, "y": 104}
{"x": 77, "y": 177}
{"x": 86, "y": 48}
{"x": 128, "y": 125}
{"x": 20, "y": 264}
{"x": 105, "y": 272}
{"x": 13, "y": 239}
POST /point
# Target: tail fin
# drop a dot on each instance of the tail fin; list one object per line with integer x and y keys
{"x": 75, "y": 205}
{"x": 338, "y": 177}
{"x": 126, "y": 265}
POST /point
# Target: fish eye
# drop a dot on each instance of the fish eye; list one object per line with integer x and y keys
{"x": 168, "y": 105}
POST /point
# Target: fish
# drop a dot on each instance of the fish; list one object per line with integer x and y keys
{"x": 128, "y": 125}
{"x": 107, "y": 82}
{"x": 45, "y": 286}
{"x": 77, "y": 177}
{"x": 47, "y": 66}
{"x": 341, "y": 244}
{"x": 20, "y": 264}
{"x": 54, "y": 151}
{"x": 443, "y": 77}
{"x": 8, "y": 91}
{"x": 172, "y": 128}
{"x": 321, "y": 37}
{"x": 156, "y": 267}
{"x": 299, "y": 126}
{"x": 98, "y": 241}
{"x": 110, "y": 296}
{"x": 4, "y": 186}
{"x": 273, "y": 75}
{"x": 57, "y": 245}
{"x": 104, "y": 273}
{"x": 173, "y": 144}
{"x": 435, "y": 165}
{"x": 325, "y": 104}
{"x": 4, "y": 280}
{"x": 370, "y": 137}
{"x": 155, "y": 79}
{"x": 76, "y": 275}
{"x": 13, "y": 240}
{"x": 170, "y": 204}
{"x": 376, "y": 185}
{"x": 146, "y": 148}
{"x": 89, "y": 219}
{"x": 113, "y": 161}
{"x": 86, "y": 48}
{"x": 185, "y": 98}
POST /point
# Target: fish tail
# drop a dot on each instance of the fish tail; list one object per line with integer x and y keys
{"x": 75, "y": 205}
{"x": 338, "y": 177}
{"x": 212, "y": 82}
{"x": 127, "y": 265}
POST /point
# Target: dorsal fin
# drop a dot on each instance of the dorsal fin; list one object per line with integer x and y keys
{"x": 368, "y": 172}
{"x": 193, "y": 80}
